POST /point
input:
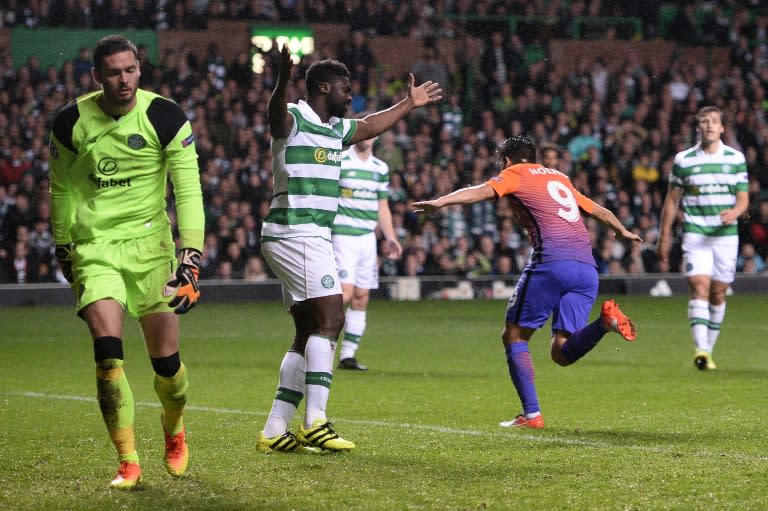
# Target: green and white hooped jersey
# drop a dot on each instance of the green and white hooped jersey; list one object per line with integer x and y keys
{"x": 709, "y": 183}
{"x": 363, "y": 183}
{"x": 306, "y": 167}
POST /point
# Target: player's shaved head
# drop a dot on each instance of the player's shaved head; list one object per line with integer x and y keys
{"x": 326, "y": 70}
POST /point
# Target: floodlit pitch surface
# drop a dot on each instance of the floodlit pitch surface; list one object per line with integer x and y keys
{"x": 630, "y": 426}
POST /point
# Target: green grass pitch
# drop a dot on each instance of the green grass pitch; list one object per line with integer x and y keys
{"x": 632, "y": 426}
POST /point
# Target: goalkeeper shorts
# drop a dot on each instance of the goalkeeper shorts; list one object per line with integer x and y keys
{"x": 305, "y": 266}
{"x": 132, "y": 272}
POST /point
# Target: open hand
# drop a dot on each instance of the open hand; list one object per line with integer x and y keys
{"x": 427, "y": 92}
{"x": 425, "y": 206}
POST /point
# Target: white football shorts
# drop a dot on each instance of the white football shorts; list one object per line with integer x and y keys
{"x": 357, "y": 260}
{"x": 305, "y": 266}
{"x": 710, "y": 255}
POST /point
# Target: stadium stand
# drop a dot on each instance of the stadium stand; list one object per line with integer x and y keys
{"x": 618, "y": 109}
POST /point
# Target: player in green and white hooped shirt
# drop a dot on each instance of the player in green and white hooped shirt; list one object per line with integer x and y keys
{"x": 307, "y": 139}
{"x": 363, "y": 205}
{"x": 710, "y": 179}
{"x": 112, "y": 152}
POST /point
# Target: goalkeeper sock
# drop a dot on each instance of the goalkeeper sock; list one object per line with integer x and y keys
{"x": 354, "y": 328}
{"x": 116, "y": 402}
{"x": 522, "y": 373}
{"x": 582, "y": 341}
{"x": 172, "y": 392}
{"x": 290, "y": 391}
{"x": 698, "y": 318}
{"x": 716, "y": 315}
{"x": 319, "y": 354}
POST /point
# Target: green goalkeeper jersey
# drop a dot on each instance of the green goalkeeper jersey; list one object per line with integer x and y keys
{"x": 109, "y": 175}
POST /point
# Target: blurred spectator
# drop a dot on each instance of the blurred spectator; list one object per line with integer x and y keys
{"x": 684, "y": 26}
{"x": 40, "y": 241}
{"x": 414, "y": 261}
{"x": 148, "y": 78}
{"x": 758, "y": 229}
{"x": 498, "y": 64}
{"x": 22, "y": 266}
{"x": 429, "y": 67}
{"x": 19, "y": 215}
{"x": 505, "y": 266}
{"x": 81, "y": 65}
{"x": 364, "y": 16}
{"x": 240, "y": 69}
{"x": 224, "y": 270}
{"x": 359, "y": 59}
{"x": 261, "y": 10}
{"x": 236, "y": 258}
{"x": 484, "y": 257}
{"x": 254, "y": 270}
{"x": 749, "y": 261}
{"x": 14, "y": 166}
{"x": 635, "y": 114}
{"x": 582, "y": 141}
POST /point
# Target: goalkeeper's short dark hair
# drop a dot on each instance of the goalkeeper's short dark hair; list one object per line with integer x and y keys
{"x": 110, "y": 45}
{"x": 518, "y": 148}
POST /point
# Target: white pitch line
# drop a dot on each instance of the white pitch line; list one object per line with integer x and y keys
{"x": 549, "y": 439}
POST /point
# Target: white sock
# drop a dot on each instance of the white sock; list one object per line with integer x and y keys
{"x": 290, "y": 390}
{"x": 698, "y": 318}
{"x": 716, "y": 315}
{"x": 319, "y": 354}
{"x": 354, "y": 328}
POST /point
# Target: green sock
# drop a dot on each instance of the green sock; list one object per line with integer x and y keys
{"x": 173, "y": 396}
{"x": 116, "y": 402}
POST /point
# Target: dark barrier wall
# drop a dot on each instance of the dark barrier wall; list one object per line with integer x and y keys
{"x": 14, "y": 295}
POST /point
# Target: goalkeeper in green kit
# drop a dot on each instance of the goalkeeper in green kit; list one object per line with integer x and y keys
{"x": 111, "y": 154}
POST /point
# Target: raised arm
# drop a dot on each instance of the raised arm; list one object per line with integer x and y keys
{"x": 379, "y": 122}
{"x": 280, "y": 122}
{"x": 468, "y": 195}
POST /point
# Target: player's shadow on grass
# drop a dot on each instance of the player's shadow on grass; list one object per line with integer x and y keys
{"x": 646, "y": 439}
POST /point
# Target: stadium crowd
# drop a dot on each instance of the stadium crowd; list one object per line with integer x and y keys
{"x": 616, "y": 127}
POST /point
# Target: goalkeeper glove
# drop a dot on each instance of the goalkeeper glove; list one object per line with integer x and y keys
{"x": 183, "y": 283}
{"x": 63, "y": 255}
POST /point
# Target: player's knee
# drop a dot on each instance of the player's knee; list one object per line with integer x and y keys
{"x": 106, "y": 350}
{"x": 556, "y": 350}
{"x": 360, "y": 300}
{"x": 166, "y": 366}
{"x": 331, "y": 325}
{"x": 559, "y": 358}
{"x": 336, "y": 325}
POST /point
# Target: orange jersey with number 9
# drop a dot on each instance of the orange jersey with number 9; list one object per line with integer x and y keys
{"x": 549, "y": 207}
